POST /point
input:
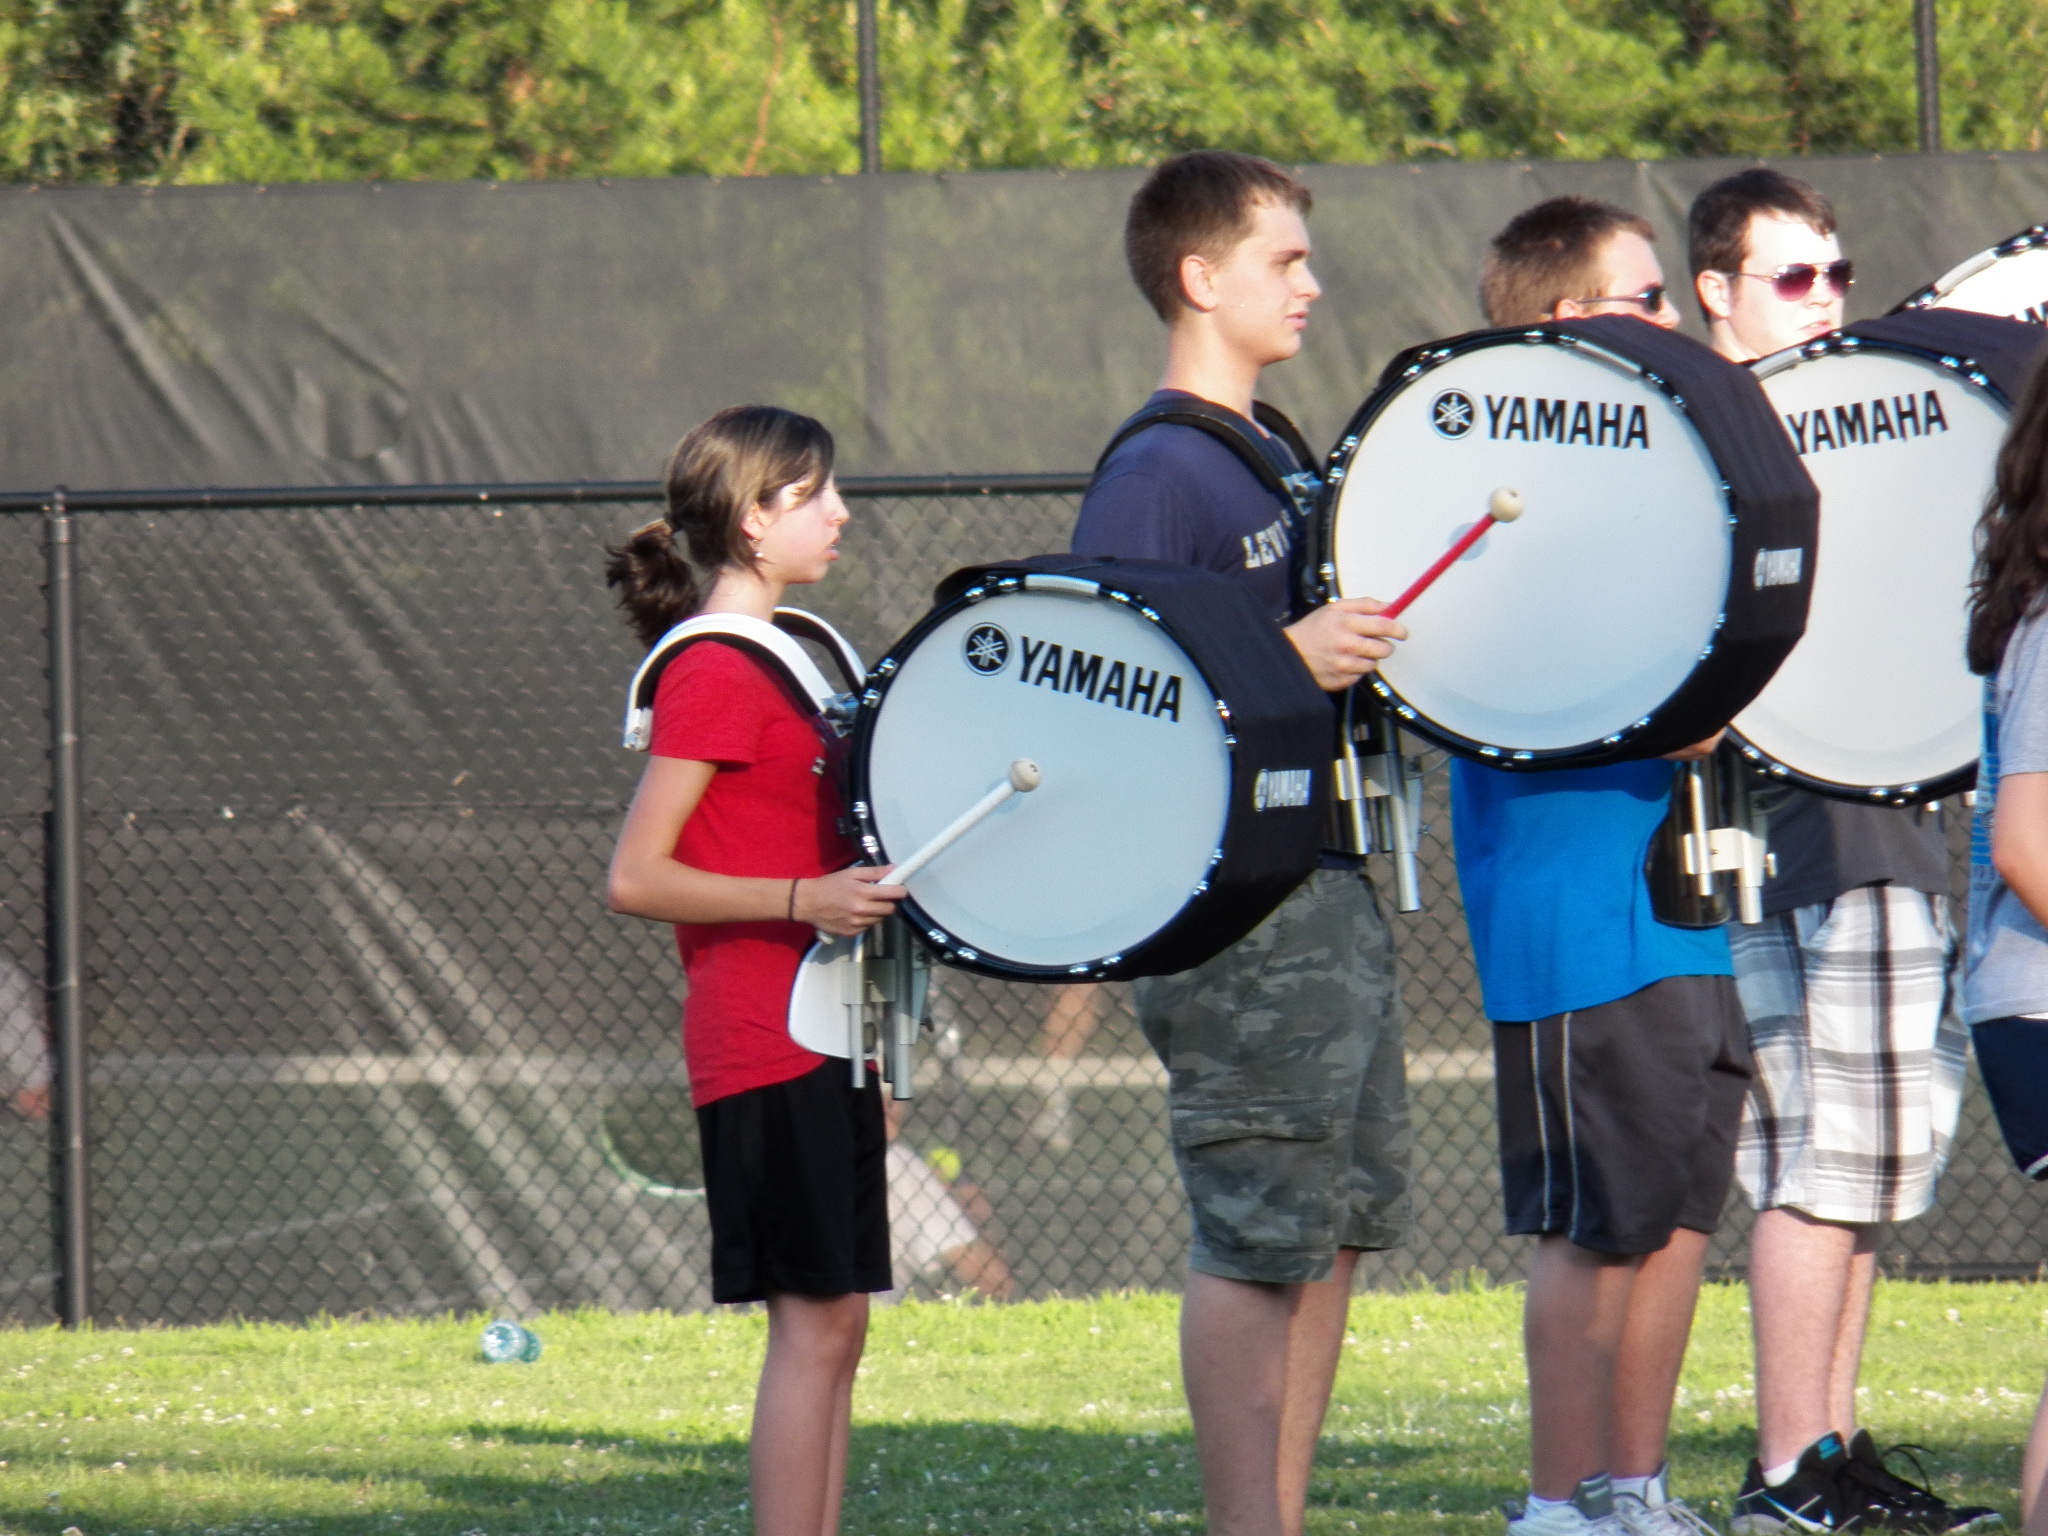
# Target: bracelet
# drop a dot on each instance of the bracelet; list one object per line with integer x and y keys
{"x": 792, "y": 897}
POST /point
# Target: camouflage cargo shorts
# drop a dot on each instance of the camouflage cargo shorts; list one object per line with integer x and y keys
{"x": 1287, "y": 1087}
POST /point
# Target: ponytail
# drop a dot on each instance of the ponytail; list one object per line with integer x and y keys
{"x": 656, "y": 586}
{"x": 740, "y": 459}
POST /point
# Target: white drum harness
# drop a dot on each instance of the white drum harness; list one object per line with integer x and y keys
{"x": 848, "y": 992}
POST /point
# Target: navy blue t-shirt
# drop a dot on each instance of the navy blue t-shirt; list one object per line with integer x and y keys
{"x": 1175, "y": 493}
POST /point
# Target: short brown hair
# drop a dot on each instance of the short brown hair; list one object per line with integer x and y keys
{"x": 1548, "y": 253}
{"x": 1198, "y": 204}
{"x": 1717, "y": 228}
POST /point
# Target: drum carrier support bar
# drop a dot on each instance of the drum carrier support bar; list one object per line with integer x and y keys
{"x": 1378, "y": 799}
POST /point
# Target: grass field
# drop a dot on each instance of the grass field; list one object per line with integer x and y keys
{"x": 1050, "y": 1417}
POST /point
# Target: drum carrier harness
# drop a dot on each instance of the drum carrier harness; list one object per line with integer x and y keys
{"x": 1376, "y": 803}
{"x": 848, "y": 992}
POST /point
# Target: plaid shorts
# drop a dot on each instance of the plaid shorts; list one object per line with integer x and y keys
{"x": 1859, "y": 1050}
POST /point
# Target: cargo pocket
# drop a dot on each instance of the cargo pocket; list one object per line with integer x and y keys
{"x": 1260, "y": 1173}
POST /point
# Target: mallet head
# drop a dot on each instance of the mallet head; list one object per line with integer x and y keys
{"x": 1025, "y": 775}
{"x": 1504, "y": 505}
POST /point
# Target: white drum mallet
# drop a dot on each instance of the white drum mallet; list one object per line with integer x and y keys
{"x": 1503, "y": 506}
{"x": 1024, "y": 776}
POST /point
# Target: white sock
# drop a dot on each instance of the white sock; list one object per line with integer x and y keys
{"x": 1536, "y": 1504}
{"x": 1782, "y": 1472}
{"x": 1636, "y": 1487}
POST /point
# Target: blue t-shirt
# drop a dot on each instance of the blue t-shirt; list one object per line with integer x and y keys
{"x": 1175, "y": 493}
{"x": 1551, "y": 868}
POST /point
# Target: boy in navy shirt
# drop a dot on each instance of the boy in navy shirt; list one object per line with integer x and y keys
{"x": 1620, "y": 1052}
{"x": 1285, "y": 1075}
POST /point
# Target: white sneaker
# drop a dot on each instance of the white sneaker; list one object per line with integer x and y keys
{"x": 1656, "y": 1513}
{"x": 1674, "y": 1517}
{"x": 1589, "y": 1512}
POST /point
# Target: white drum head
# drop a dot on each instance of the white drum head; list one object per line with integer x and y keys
{"x": 2014, "y": 284}
{"x": 1578, "y": 620}
{"x": 1876, "y": 696}
{"x": 1136, "y": 786}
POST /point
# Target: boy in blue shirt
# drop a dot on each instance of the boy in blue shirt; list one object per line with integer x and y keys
{"x": 1621, "y": 1056}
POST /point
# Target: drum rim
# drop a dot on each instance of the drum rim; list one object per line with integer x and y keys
{"x": 1954, "y": 780}
{"x": 1940, "y": 787}
{"x": 2033, "y": 237}
{"x": 949, "y": 947}
{"x": 1603, "y": 750}
{"x": 1844, "y": 342}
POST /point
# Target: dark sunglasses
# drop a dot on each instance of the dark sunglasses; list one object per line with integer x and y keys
{"x": 1795, "y": 281}
{"x": 1651, "y": 298}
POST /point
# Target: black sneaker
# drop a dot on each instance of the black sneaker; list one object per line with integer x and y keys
{"x": 1885, "y": 1499}
{"x": 1812, "y": 1499}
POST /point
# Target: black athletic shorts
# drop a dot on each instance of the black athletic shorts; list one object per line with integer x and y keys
{"x": 2012, "y": 1055}
{"x": 1617, "y": 1123}
{"x": 794, "y": 1177}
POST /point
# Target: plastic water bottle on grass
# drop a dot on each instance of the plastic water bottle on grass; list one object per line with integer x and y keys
{"x": 504, "y": 1340}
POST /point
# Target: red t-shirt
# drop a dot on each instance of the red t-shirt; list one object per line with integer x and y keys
{"x": 772, "y": 810}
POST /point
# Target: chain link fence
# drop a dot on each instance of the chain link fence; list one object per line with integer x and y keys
{"x": 362, "y": 1035}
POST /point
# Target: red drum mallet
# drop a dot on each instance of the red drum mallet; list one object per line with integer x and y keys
{"x": 1503, "y": 506}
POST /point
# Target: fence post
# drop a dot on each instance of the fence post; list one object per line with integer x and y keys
{"x": 1927, "y": 55}
{"x": 868, "y": 46}
{"x": 64, "y": 852}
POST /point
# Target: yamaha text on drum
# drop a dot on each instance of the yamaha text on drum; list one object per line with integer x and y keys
{"x": 1898, "y": 421}
{"x": 1176, "y": 750}
{"x": 1657, "y": 578}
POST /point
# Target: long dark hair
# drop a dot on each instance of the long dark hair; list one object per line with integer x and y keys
{"x": 719, "y": 472}
{"x": 2012, "y": 537}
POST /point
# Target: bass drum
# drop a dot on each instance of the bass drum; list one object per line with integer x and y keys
{"x": 2010, "y": 280}
{"x": 1658, "y": 577}
{"x": 1898, "y": 421}
{"x": 1184, "y": 754}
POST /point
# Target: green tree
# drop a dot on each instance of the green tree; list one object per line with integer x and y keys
{"x": 271, "y": 90}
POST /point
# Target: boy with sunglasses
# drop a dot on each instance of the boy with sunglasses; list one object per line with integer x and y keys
{"x": 1620, "y": 1052}
{"x": 1859, "y": 1050}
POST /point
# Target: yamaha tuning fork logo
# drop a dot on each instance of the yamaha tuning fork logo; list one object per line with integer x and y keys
{"x": 987, "y": 649}
{"x": 1126, "y": 685}
{"x": 1452, "y": 413}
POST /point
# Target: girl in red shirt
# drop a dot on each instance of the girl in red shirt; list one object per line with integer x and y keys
{"x": 736, "y": 836}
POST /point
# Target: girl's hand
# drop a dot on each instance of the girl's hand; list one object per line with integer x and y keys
{"x": 847, "y": 902}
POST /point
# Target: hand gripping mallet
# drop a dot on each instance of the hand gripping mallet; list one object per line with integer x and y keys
{"x": 1503, "y": 506}
{"x": 1023, "y": 777}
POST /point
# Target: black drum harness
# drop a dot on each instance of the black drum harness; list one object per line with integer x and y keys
{"x": 1376, "y": 799}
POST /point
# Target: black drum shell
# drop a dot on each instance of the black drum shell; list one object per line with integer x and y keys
{"x": 2002, "y": 350}
{"x": 1771, "y": 498}
{"x": 1277, "y": 718}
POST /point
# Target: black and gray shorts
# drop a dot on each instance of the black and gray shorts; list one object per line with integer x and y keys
{"x": 1617, "y": 1123}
